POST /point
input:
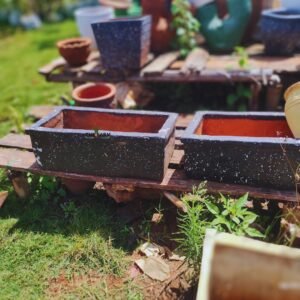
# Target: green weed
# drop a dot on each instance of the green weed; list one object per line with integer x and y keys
{"x": 221, "y": 213}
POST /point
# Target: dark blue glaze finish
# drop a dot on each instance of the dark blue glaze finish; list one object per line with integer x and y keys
{"x": 256, "y": 161}
{"x": 280, "y": 29}
{"x": 110, "y": 153}
{"x": 123, "y": 43}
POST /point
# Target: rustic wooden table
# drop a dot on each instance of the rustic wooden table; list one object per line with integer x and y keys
{"x": 199, "y": 67}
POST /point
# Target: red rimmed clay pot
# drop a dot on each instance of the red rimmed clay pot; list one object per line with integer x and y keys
{"x": 94, "y": 95}
{"x": 77, "y": 186}
{"x": 75, "y": 51}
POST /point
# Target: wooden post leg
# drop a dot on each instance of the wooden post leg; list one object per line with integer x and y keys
{"x": 273, "y": 97}
{"x": 254, "y": 101}
{"x": 20, "y": 184}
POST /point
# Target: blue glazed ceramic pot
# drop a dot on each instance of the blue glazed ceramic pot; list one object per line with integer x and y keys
{"x": 280, "y": 29}
{"x": 124, "y": 43}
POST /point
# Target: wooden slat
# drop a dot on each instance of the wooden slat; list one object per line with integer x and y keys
{"x": 177, "y": 159}
{"x": 90, "y": 66}
{"x": 184, "y": 120}
{"x": 161, "y": 63}
{"x": 175, "y": 180}
{"x": 53, "y": 65}
{"x": 40, "y": 111}
{"x": 195, "y": 62}
{"x": 220, "y": 76}
{"x": 20, "y": 141}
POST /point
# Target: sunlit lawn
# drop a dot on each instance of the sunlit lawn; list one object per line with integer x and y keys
{"x": 49, "y": 238}
{"x": 21, "y": 54}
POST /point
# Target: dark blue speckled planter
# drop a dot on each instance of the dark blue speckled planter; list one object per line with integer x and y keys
{"x": 105, "y": 142}
{"x": 280, "y": 30}
{"x": 255, "y": 149}
{"x": 123, "y": 43}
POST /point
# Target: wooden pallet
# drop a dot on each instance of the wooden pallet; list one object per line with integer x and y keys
{"x": 16, "y": 154}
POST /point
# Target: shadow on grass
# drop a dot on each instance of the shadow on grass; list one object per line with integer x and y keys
{"x": 92, "y": 213}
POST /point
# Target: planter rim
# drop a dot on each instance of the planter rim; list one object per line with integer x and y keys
{"x": 274, "y": 13}
{"x": 291, "y": 89}
{"x": 164, "y": 133}
{"x": 189, "y": 136}
{"x": 82, "y": 42}
{"x": 88, "y": 85}
{"x": 96, "y": 10}
{"x": 136, "y": 19}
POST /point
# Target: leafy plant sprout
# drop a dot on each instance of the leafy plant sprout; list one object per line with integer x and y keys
{"x": 222, "y": 213}
{"x": 243, "y": 57}
{"x": 185, "y": 25}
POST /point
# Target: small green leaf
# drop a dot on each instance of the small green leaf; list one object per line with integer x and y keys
{"x": 225, "y": 213}
{"x": 212, "y": 208}
{"x": 241, "y": 202}
{"x": 236, "y": 220}
{"x": 252, "y": 232}
{"x": 249, "y": 218}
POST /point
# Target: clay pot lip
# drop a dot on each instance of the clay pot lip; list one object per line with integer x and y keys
{"x": 290, "y": 90}
{"x": 74, "y": 43}
{"x": 77, "y": 90}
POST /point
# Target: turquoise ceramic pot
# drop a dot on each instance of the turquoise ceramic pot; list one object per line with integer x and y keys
{"x": 222, "y": 35}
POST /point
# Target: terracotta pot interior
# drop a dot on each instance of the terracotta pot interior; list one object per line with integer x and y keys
{"x": 244, "y": 127}
{"x": 73, "y": 43}
{"x": 94, "y": 92}
{"x": 86, "y": 120}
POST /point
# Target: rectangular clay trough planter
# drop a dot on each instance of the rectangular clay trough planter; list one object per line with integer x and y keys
{"x": 111, "y": 143}
{"x": 244, "y": 148}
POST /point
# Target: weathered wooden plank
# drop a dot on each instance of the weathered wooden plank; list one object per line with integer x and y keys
{"x": 40, "y": 111}
{"x": 220, "y": 76}
{"x": 3, "y": 197}
{"x": 184, "y": 120}
{"x": 122, "y": 90}
{"x": 53, "y": 65}
{"x": 90, "y": 66}
{"x": 175, "y": 180}
{"x": 20, "y": 141}
{"x": 195, "y": 62}
{"x": 161, "y": 63}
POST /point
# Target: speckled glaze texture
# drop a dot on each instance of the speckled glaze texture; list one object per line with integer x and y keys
{"x": 255, "y": 161}
{"x": 280, "y": 29}
{"x": 108, "y": 153}
{"x": 124, "y": 43}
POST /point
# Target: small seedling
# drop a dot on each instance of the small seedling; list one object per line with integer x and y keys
{"x": 243, "y": 57}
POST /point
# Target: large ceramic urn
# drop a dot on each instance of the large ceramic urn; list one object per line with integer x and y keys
{"x": 161, "y": 35}
{"x": 292, "y": 108}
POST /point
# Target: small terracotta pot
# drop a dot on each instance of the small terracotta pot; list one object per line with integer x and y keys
{"x": 75, "y": 51}
{"x": 94, "y": 95}
{"x": 76, "y": 186}
{"x": 292, "y": 108}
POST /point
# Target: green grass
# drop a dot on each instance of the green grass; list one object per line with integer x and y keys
{"x": 40, "y": 241}
{"x": 42, "y": 238}
{"x": 21, "y": 55}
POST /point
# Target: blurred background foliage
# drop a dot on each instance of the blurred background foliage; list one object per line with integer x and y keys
{"x": 47, "y": 10}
